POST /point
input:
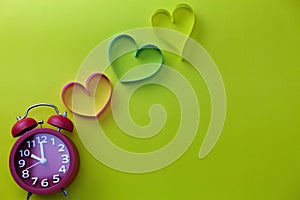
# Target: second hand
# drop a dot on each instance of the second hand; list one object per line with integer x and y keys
{"x": 33, "y": 165}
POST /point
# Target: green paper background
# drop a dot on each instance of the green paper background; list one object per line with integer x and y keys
{"x": 254, "y": 43}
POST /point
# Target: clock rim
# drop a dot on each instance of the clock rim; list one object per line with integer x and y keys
{"x": 73, "y": 166}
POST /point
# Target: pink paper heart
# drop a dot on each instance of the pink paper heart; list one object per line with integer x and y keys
{"x": 89, "y": 100}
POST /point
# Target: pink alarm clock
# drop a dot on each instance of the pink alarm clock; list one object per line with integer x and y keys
{"x": 43, "y": 160}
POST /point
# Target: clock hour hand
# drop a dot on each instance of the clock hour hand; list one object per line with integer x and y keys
{"x": 35, "y": 157}
{"x": 41, "y": 160}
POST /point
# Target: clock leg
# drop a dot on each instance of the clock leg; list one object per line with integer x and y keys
{"x": 28, "y": 195}
{"x": 63, "y": 190}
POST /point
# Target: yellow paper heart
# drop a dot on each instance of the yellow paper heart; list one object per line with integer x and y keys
{"x": 182, "y": 20}
{"x": 89, "y": 100}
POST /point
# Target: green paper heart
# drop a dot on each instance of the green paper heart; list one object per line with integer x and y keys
{"x": 182, "y": 20}
{"x": 131, "y": 63}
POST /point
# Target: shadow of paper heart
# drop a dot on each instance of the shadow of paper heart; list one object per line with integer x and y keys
{"x": 182, "y": 20}
{"x": 89, "y": 100}
{"x": 131, "y": 63}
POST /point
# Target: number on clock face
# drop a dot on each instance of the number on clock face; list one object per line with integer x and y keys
{"x": 42, "y": 160}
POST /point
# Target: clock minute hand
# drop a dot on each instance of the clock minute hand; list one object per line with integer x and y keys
{"x": 43, "y": 159}
{"x": 42, "y": 150}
